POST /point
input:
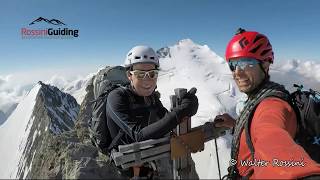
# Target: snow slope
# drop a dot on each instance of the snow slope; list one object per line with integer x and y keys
{"x": 14, "y": 133}
{"x": 2, "y": 117}
{"x": 45, "y": 110}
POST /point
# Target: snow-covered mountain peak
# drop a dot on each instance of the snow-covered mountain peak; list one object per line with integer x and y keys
{"x": 61, "y": 107}
{"x": 44, "y": 110}
{"x": 75, "y": 87}
{"x": 193, "y": 65}
{"x": 196, "y": 51}
{"x": 185, "y": 42}
{"x": 187, "y": 64}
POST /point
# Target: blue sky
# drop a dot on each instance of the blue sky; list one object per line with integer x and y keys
{"x": 108, "y": 29}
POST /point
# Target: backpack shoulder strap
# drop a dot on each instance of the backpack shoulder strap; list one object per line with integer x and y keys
{"x": 278, "y": 94}
{"x": 115, "y": 140}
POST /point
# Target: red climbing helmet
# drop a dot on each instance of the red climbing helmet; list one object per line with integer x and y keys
{"x": 249, "y": 44}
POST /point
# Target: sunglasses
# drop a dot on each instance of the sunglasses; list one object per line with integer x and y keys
{"x": 152, "y": 74}
{"x": 242, "y": 63}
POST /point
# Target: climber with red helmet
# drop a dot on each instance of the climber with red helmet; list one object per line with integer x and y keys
{"x": 263, "y": 145}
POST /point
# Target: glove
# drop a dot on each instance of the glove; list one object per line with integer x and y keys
{"x": 224, "y": 120}
{"x": 189, "y": 105}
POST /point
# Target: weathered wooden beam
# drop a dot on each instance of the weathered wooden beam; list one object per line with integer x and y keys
{"x": 137, "y": 146}
{"x": 210, "y": 131}
{"x": 137, "y": 157}
{"x": 152, "y": 158}
{"x": 152, "y": 148}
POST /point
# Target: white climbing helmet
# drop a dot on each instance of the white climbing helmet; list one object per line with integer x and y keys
{"x": 141, "y": 54}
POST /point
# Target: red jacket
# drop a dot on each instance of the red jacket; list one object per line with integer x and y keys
{"x": 273, "y": 128}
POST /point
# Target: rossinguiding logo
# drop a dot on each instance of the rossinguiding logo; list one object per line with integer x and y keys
{"x": 52, "y": 21}
{"x": 62, "y": 32}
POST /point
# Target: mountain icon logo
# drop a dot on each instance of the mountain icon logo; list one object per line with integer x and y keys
{"x": 52, "y": 21}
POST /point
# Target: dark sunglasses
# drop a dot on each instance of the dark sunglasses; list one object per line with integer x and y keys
{"x": 152, "y": 74}
{"x": 242, "y": 63}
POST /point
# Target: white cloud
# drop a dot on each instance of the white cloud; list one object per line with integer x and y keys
{"x": 13, "y": 87}
{"x": 4, "y": 79}
{"x": 297, "y": 71}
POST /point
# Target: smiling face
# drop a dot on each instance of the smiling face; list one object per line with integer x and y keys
{"x": 250, "y": 78}
{"x": 143, "y": 87}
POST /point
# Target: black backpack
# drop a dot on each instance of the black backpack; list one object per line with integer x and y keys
{"x": 104, "y": 82}
{"x": 307, "y": 108}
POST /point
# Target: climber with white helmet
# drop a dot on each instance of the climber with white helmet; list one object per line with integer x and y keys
{"x": 135, "y": 113}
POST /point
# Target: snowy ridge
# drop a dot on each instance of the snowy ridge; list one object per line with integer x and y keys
{"x": 14, "y": 134}
{"x": 61, "y": 107}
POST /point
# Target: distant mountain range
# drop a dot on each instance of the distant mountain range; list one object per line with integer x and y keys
{"x": 52, "y": 21}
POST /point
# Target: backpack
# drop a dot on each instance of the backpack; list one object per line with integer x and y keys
{"x": 307, "y": 108}
{"x": 104, "y": 82}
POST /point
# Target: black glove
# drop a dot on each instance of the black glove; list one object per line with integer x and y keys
{"x": 189, "y": 105}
